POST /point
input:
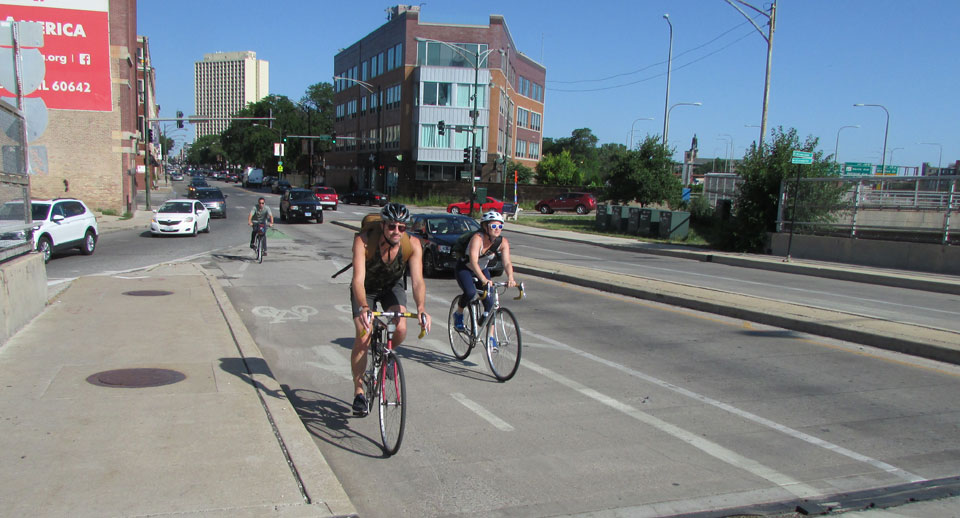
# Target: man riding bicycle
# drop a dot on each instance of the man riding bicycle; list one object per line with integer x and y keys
{"x": 482, "y": 248}
{"x": 382, "y": 255}
{"x": 259, "y": 214}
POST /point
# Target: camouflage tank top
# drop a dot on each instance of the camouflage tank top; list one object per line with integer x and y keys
{"x": 381, "y": 275}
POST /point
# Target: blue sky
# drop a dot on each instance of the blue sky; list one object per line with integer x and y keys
{"x": 606, "y": 64}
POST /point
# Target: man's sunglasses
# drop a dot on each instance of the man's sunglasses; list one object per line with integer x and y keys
{"x": 495, "y": 226}
{"x": 397, "y": 226}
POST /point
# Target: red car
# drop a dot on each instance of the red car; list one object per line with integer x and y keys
{"x": 581, "y": 202}
{"x": 463, "y": 207}
{"x": 328, "y": 197}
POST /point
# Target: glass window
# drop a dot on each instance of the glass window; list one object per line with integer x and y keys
{"x": 443, "y": 94}
{"x": 463, "y": 95}
{"x": 364, "y": 71}
{"x": 428, "y": 135}
{"x": 380, "y": 63}
{"x": 390, "y": 58}
{"x": 430, "y": 93}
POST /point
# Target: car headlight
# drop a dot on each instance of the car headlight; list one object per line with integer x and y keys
{"x": 294, "y": 207}
{"x": 189, "y": 220}
{"x": 444, "y": 249}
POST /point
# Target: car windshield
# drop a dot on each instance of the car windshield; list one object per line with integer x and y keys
{"x": 176, "y": 207}
{"x": 301, "y": 196}
{"x": 209, "y": 195}
{"x": 452, "y": 225}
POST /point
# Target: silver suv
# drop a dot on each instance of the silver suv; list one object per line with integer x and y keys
{"x": 59, "y": 224}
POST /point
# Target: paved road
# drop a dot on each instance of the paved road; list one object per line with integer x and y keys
{"x": 620, "y": 404}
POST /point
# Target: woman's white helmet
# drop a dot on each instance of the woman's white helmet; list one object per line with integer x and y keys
{"x": 491, "y": 216}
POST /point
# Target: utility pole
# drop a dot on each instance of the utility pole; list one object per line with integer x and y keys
{"x": 771, "y": 26}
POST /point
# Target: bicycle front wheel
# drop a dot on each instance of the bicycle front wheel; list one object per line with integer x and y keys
{"x": 461, "y": 342}
{"x": 260, "y": 247}
{"x": 393, "y": 402}
{"x": 503, "y": 353}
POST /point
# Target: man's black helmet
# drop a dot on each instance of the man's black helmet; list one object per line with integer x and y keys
{"x": 395, "y": 212}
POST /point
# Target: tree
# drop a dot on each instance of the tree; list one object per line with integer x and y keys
{"x": 582, "y": 146}
{"x": 524, "y": 173}
{"x": 250, "y": 142}
{"x": 644, "y": 175}
{"x": 558, "y": 170}
{"x": 205, "y": 150}
{"x": 763, "y": 170}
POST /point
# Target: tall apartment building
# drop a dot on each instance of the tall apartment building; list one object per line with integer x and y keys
{"x": 396, "y": 84}
{"x": 224, "y": 83}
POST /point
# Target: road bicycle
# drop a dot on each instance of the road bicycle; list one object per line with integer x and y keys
{"x": 383, "y": 381}
{"x": 260, "y": 241}
{"x": 503, "y": 351}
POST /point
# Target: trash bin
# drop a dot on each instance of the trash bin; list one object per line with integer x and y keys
{"x": 633, "y": 221}
{"x": 603, "y": 217}
{"x": 644, "y": 224}
{"x": 666, "y": 218}
{"x": 655, "y": 215}
{"x": 616, "y": 211}
{"x": 625, "y": 218}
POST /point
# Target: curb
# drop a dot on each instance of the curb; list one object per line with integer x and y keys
{"x": 318, "y": 484}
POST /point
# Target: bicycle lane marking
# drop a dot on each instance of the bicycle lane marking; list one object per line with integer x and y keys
{"x": 478, "y": 409}
{"x": 816, "y": 441}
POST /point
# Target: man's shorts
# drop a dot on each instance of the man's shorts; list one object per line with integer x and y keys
{"x": 388, "y": 297}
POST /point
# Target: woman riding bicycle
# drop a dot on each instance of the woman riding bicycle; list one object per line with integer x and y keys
{"x": 483, "y": 247}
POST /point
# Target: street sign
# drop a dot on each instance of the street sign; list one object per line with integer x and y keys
{"x": 888, "y": 170}
{"x": 802, "y": 157}
{"x": 857, "y": 168}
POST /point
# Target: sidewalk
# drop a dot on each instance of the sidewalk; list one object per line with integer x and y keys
{"x": 85, "y": 431}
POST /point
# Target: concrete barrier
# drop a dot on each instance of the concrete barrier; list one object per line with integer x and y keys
{"x": 23, "y": 292}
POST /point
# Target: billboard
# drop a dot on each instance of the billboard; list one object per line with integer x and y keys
{"x": 76, "y": 51}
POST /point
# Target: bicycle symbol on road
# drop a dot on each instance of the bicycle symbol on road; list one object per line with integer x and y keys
{"x": 279, "y": 316}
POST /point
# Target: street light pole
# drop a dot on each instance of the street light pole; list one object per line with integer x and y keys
{"x": 836, "y": 147}
{"x": 666, "y": 125}
{"x": 666, "y": 102}
{"x": 886, "y": 130}
{"x": 631, "y": 128}
{"x": 726, "y": 151}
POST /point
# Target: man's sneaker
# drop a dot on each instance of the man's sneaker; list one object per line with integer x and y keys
{"x": 458, "y": 322}
{"x": 493, "y": 344}
{"x": 360, "y": 405}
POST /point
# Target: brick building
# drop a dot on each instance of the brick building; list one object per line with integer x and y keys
{"x": 88, "y": 106}
{"x": 394, "y": 87}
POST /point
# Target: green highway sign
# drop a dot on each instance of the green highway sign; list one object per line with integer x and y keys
{"x": 802, "y": 157}
{"x": 890, "y": 170}
{"x": 857, "y": 168}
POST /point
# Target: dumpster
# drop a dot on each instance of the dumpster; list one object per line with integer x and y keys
{"x": 665, "y": 219}
{"x": 633, "y": 221}
{"x": 644, "y": 226}
{"x": 603, "y": 217}
{"x": 625, "y": 218}
{"x": 616, "y": 213}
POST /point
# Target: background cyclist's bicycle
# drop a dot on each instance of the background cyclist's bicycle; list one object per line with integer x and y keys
{"x": 383, "y": 381}
{"x": 499, "y": 333}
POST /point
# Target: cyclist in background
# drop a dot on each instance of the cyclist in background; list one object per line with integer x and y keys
{"x": 382, "y": 255}
{"x": 483, "y": 247}
{"x": 259, "y": 214}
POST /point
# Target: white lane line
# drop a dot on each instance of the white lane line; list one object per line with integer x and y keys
{"x": 305, "y": 287}
{"x": 478, "y": 409}
{"x": 744, "y": 281}
{"x": 711, "y": 448}
{"x": 816, "y": 441}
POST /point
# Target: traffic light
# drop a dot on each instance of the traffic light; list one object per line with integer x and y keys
{"x": 150, "y": 135}
{"x": 440, "y": 127}
{"x": 333, "y": 138}
{"x": 179, "y": 119}
{"x": 466, "y": 155}
{"x": 476, "y": 154}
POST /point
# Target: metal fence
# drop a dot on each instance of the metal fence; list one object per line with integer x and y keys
{"x": 15, "y": 222}
{"x": 900, "y": 208}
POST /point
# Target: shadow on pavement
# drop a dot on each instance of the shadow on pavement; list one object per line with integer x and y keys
{"x": 327, "y": 418}
{"x": 246, "y": 369}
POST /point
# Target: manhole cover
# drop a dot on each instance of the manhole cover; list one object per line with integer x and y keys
{"x": 136, "y": 378}
{"x": 148, "y": 293}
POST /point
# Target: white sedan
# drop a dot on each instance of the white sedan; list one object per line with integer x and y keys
{"x": 179, "y": 217}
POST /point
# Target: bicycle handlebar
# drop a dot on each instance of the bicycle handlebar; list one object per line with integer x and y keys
{"x": 399, "y": 314}
{"x": 482, "y": 294}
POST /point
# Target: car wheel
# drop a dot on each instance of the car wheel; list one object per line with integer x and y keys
{"x": 429, "y": 268}
{"x": 283, "y": 217}
{"x": 544, "y": 209}
{"x": 581, "y": 209}
{"x": 206, "y": 229}
{"x": 45, "y": 247}
{"x": 320, "y": 217}
{"x": 89, "y": 243}
{"x": 454, "y": 210}
{"x": 194, "y": 234}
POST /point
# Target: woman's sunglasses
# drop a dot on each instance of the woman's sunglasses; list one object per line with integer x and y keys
{"x": 495, "y": 226}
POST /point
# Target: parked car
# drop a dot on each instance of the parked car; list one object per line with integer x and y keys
{"x": 365, "y": 197}
{"x": 252, "y": 177}
{"x": 59, "y": 224}
{"x": 213, "y": 199}
{"x": 327, "y": 195}
{"x": 180, "y": 217}
{"x": 197, "y": 181}
{"x": 268, "y": 181}
{"x": 280, "y": 187}
{"x": 176, "y": 177}
{"x": 463, "y": 207}
{"x": 300, "y": 204}
{"x": 231, "y": 176}
{"x": 581, "y": 202}
{"x": 439, "y": 233}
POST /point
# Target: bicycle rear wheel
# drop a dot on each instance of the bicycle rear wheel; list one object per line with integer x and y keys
{"x": 505, "y": 357}
{"x": 393, "y": 402}
{"x": 461, "y": 342}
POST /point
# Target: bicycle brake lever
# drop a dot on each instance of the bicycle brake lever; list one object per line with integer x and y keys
{"x": 521, "y": 296}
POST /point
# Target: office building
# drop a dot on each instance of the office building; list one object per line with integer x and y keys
{"x": 395, "y": 86}
{"x": 225, "y": 83}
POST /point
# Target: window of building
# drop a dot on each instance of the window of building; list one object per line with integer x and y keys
{"x": 535, "y": 119}
{"x": 363, "y": 71}
{"x": 436, "y": 94}
{"x": 522, "y": 118}
{"x": 436, "y": 54}
{"x": 363, "y": 105}
{"x": 380, "y": 63}
{"x": 521, "y": 149}
{"x": 373, "y": 67}
{"x": 535, "y": 150}
{"x": 398, "y": 55}
{"x": 390, "y": 58}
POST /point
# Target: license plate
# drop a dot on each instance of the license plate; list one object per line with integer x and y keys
{"x": 307, "y": 214}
